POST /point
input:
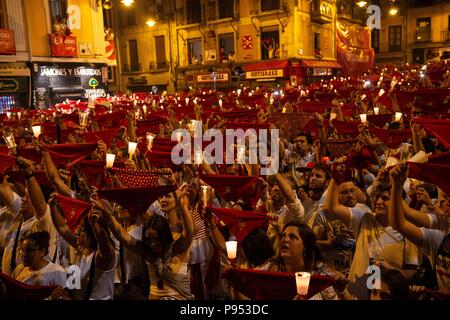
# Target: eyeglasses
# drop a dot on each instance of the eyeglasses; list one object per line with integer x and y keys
{"x": 28, "y": 250}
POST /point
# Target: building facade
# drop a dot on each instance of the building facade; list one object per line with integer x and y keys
{"x": 225, "y": 43}
{"x": 412, "y": 31}
{"x": 58, "y": 51}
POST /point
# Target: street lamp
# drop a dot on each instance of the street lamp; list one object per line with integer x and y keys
{"x": 361, "y": 4}
{"x": 127, "y": 3}
{"x": 150, "y": 22}
{"x": 393, "y": 11}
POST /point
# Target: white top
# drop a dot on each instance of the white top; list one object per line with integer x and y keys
{"x": 51, "y": 275}
{"x": 103, "y": 286}
{"x": 133, "y": 263}
{"x": 432, "y": 241}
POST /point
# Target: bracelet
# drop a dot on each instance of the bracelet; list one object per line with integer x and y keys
{"x": 28, "y": 176}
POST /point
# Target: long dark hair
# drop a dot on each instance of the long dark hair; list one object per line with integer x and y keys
{"x": 257, "y": 247}
{"x": 162, "y": 228}
{"x": 397, "y": 283}
{"x": 311, "y": 254}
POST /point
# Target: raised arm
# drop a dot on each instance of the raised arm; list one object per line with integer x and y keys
{"x": 397, "y": 218}
{"x": 117, "y": 230}
{"x": 53, "y": 175}
{"x": 333, "y": 205}
{"x": 420, "y": 219}
{"x": 105, "y": 256}
{"x": 6, "y": 194}
{"x": 187, "y": 235}
{"x": 34, "y": 189}
{"x": 59, "y": 222}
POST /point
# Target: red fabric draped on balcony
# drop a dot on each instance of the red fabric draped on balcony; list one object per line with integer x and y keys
{"x": 266, "y": 65}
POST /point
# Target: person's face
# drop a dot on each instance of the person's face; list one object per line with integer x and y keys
{"x": 301, "y": 145}
{"x": 192, "y": 190}
{"x": 382, "y": 204}
{"x": 347, "y": 194}
{"x": 232, "y": 169}
{"x": 291, "y": 244}
{"x": 381, "y": 294}
{"x": 317, "y": 179}
{"x": 31, "y": 253}
{"x": 26, "y": 205}
{"x": 276, "y": 193}
{"x": 167, "y": 202}
{"x": 82, "y": 237}
{"x": 422, "y": 195}
{"x": 152, "y": 242}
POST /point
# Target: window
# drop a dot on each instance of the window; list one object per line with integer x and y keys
{"x": 267, "y": 5}
{"x": 316, "y": 41}
{"x": 193, "y": 11}
{"x": 160, "y": 45}
{"x": 423, "y": 29}
{"x": 133, "y": 55}
{"x": 270, "y": 43}
{"x": 195, "y": 51}
{"x": 128, "y": 17}
{"x": 58, "y": 8}
{"x": 3, "y": 15}
{"x": 376, "y": 40}
{"x": 226, "y": 9}
{"x": 395, "y": 38}
{"x": 226, "y": 46}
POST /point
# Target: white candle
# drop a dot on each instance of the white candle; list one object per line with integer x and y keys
{"x": 376, "y": 110}
{"x": 398, "y": 116}
{"x": 381, "y": 92}
{"x": 36, "y": 131}
{"x": 205, "y": 192}
{"x": 220, "y": 103}
{"x": 231, "y": 249}
{"x": 110, "y": 157}
{"x": 187, "y": 101}
{"x": 333, "y": 116}
{"x": 150, "y": 137}
{"x": 10, "y": 142}
{"x": 19, "y": 115}
{"x": 284, "y": 110}
{"x": 144, "y": 109}
{"x": 131, "y": 149}
{"x": 239, "y": 92}
{"x": 302, "y": 281}
{"x": 8, "y": 115}
{"x": 84, "y": 119}
{"x": 363, "y": 117}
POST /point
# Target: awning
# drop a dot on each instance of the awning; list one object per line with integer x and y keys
{"x": 14, "y": 69}
{"x": 321, "y": 64}
{"x": 266, "y": 65}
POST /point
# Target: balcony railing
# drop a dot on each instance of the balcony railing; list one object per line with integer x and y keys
{"x": 321, "y": 11}
{"x": 158, "y": 66}
{"x": 422, "y": 36}
{"x": 131, "y": 68}
{"x": 446, "y": 35}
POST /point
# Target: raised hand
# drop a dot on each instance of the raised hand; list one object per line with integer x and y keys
{"x": 398, "y": 174}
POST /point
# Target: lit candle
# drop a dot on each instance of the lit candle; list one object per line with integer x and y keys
{"x": 363, "y": 117}
{"x": 110, "y": 160}
{"x": 381, "y": 92}
{"x": 376, "y": 110}
{"x": 231, "y": 249}
{"x": 205, "y": 192}
{"x": 333, "y": 116}
{"x": 8, "y": 115}
{"x": 220, "y": 103}
{"x": 302, "y": 281}
{"x": 284, "y": 110}
{"x": 131, "y": 149}
{"x": 272, "y": 100}
{"x": 144, "y": 109}
{"x": 36, "y": 131}
{"x": 187, "y": 101}
{"x": 363, "y": 97}
{"x": 19, "y": 115}
{"x": 398, "y": 116}
{"x": 150, "y": 137}
{"x": 84, "y": 118}
{"x": 10, "y": 142}
{"x": 239, "y": 92}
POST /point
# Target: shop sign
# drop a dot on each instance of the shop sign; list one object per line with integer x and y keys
{"x": 7, "y": 43}
{"x": 220, "y": 77}
{"x": 262, "y": 74}
{"x": 8, "y": 85}
{"x": 63, "y": 46}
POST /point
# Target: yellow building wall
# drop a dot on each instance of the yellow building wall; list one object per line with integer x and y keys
{"x": 37, "y": 27}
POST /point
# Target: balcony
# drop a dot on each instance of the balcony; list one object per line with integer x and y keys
{"x": 422, "y": 36}
{"x": 126, "y": 68}
{"x": 446, "y": 35}
{"x": 63, "y": 46}
{"x": 322, "y": 11}
{"x": 156, "y": 67}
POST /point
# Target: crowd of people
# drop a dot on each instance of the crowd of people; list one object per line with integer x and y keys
{"x": 363, "y": 182}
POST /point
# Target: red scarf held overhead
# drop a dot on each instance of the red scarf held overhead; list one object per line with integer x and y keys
{"x": 6, "y": 163}
{"x": 339, "y": 147}
{"x": 111, "y": 120}
{"x": 70, "y": 152}
{"x": 233, "y": 188}
{"x": 246, "y": 125}
{"x": 135, "y": 200}
{"x": 136, "y": 178}
{"x": 40, "y": 176}
{"x": 160, "y": 159}
{"x": 266, "y": 285}
{"x": 437, "y": 127}
{"x": 94, "y": 171}
{"x": 240, "y": 223}
{"x": 379, "y": 120}
{"x": 105, "y": 135}
{"x": 74, "y": 211}
{"x": 391, "y": 138}
{"x": 16, "y": 290}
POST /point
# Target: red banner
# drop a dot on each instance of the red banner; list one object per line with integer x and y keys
{"x": 7, "y": 43}
{"x": 63, "y": 46}
{"x": 353, "y": 47}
